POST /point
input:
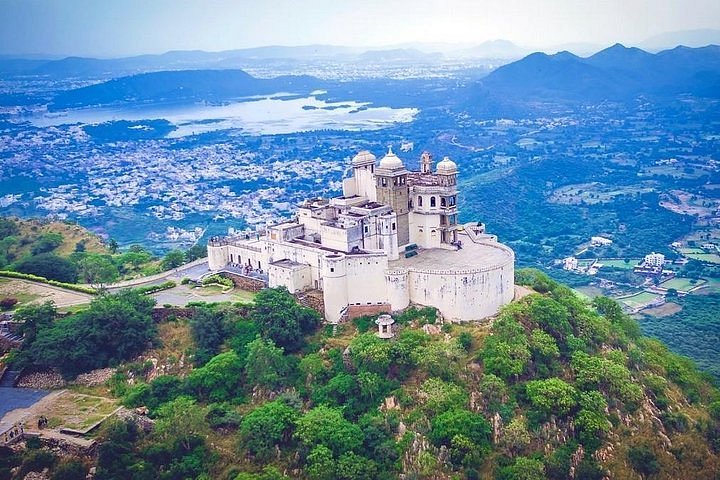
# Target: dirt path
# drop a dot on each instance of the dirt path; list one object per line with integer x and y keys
{"x": 42, "y": 293}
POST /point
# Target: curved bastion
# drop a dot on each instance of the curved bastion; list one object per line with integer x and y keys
{"x": 470, "y": 283}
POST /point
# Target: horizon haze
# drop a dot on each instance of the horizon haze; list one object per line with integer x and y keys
{"x": 131, "y": 27}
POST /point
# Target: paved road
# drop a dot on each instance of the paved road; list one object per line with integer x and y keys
{"x": 192, "y": 270}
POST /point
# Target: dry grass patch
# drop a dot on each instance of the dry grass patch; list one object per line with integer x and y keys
{"x": 74, "y": 411}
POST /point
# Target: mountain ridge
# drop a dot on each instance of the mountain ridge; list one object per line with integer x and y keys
{"x": 615, "y": 73}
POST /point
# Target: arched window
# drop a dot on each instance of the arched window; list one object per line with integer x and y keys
{"x": 443, "y": 202}
{"x": 419, "y": 200}
{"x": 432, "y": 201}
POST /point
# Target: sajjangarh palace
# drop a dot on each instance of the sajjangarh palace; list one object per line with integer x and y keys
{"x": 391, "y": 240}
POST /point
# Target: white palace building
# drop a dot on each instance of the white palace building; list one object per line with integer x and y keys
{"x": 392, "y": 239}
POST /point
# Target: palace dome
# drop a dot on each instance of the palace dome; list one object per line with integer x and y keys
{"x": 447, "y": 167}
{"x": 391, "y": 161}
{"x": 363, "y": 158}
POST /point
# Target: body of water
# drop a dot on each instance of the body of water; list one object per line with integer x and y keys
{"x": 264, "y": 115}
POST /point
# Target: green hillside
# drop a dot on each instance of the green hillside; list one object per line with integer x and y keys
{"x": 553, "y": 388}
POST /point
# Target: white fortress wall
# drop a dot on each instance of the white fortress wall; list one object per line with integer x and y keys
{"x": 303, "y": 254}
{"x": 335, "y": 291}
{"x": 217, "y": 256}
{"x": 398, "y": 293}
{"x": 366, "y": 278}
{"x": 463, "y": 296}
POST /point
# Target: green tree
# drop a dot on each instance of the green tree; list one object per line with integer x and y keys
{"x": 351, "y": 466}
{"x": 47, "y": 242}
{"x": 371, "y": 353}
{"x": 173, "y": 259}
{"x": 98, "y": 270}
{"x": 49, "y": 266}
{"x": 8, "y": 227}
{"x": 552, "y": 396}
{"x": 34, "y": 318}
{"x": 552, "y": 316}
{"x": 494, "y": 391}
{"x": 6, "y": 245}
{"x": 209, "y": 329}
{"x": 440, "y": 396}
{"x": 313, "y": 368}
{"x": 515, "y": 436}
{"x": 438, "y": 358}
{"x": 543, "y": 345}
{"x": 265, "y": 365}
{"x": 527, "y": 469}
{"x": 327, "y": 426}
{"x": 195, "y": 252}
{"x": 281, "y": 319}
{"x": 321, "y": 465}
{"x": 134, "y": 258}
{"x": 219, "y": 379}
{"x": 114, "y": 328}
{"x": 71, "y": 469}
{"x": 447, "y": 425}
{"x": 643, "y": 460}
{"x": 505, "y": 359}
{"x": 113, "y": 245}
{"x": 266, "y": 427}
{"x": 182, "y": 421}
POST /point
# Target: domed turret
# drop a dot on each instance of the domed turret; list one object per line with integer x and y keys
{"x": 391, "y": 161}
{"x": 363, "y": 158}
{"x": 447, "y": 167}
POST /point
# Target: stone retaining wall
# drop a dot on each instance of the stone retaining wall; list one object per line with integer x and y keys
{"x": 66, "y": 446}
{"x": 313, "y": 299}
{"x": 355, "y": 311}
{"x": 160, "y": 314}
{"x": 245, "y": 283}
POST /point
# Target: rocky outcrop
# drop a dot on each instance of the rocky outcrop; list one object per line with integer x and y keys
{"x": 41, "y": 380}
{"x": 95, "y": 377}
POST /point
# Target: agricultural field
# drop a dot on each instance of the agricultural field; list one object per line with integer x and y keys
{"x": 682, "y": 284}
{"x": 593, "y": 193}
{"x": 705, "y": 257}
{"x": 619, "y": 262}
{"x": 639, "y": 300}
{"x": 686, "y": 203}
{"x": 691, "y": 250}
{"x": 675, "y": 171}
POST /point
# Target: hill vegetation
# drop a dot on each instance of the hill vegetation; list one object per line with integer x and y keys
{"x": 553, "y": 388}
{"x": 66, "y": 252}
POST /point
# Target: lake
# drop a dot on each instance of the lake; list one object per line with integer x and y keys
{"x": 280, "y": 113}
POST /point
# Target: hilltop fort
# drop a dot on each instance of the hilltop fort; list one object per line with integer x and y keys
{"x": 391, "y": 239}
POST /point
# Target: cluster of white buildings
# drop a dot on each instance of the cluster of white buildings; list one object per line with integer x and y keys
{"x": 391, "y": 239}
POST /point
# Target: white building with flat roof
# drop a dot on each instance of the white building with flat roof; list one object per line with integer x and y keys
{"x": 390, "y": 240}
{"x": 654, "y": 259}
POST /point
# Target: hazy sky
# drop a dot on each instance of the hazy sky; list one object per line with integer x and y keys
{"x": 123, "y": 27}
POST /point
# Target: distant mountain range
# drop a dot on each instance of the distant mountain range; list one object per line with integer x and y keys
{"x": 181, "y": 86}
{"x": 411, "y": 52}
{"x": 616, "y": 73}
{"x": 688, "y": 38}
